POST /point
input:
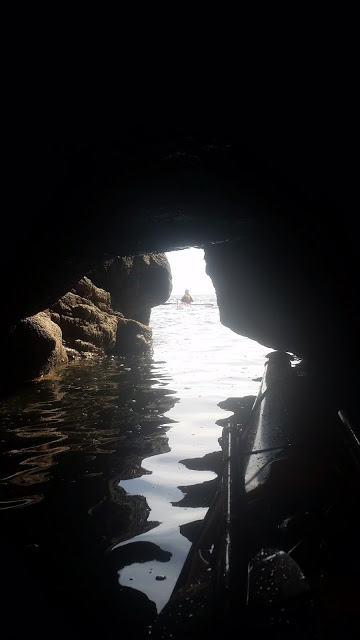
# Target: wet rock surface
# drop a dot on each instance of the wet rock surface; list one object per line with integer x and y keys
{"x": 83, "y": 323}
{"x": 138, "y": 552}
{"x": 34, "y": 347}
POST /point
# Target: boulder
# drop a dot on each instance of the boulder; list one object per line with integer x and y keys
{"x": 85, "y": 327}
{"x": 35, "y": 348}
{"x": 92, "y": 328}
{"x": 132, "y": 337}
{"x": 136, "y": 284}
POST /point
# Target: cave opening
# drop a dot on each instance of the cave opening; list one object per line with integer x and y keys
{"x": 77, "y": 446}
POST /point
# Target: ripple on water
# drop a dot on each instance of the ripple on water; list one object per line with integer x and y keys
{"x": 100, "y": 455}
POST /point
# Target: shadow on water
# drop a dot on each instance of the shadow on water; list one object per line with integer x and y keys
{"x": 73, "y": 534}
{"x": 70, "y": 526}
{"x": 66, "y": 443}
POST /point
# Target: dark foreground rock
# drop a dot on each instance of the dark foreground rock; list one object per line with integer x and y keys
{"x": 34, "y": 348}
{"x": 132, "y": 337}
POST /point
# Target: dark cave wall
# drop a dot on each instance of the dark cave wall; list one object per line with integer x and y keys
{"x": 288, "y": 288}
{"x": 280, "y": 251}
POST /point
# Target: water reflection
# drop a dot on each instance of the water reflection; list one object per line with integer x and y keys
{"x": 95, "y": 485}
{"x": 163, "y": 492}
{"x": 113, "y": 407}
{"x": 66, "y": 444}
{"x": 104, "y": 469}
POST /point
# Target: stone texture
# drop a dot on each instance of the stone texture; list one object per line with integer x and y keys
{"x": 86, "y": 289}
{"x": 35, "y": 348}
{"x": 81, "y": 321}
{"x": 92, "y": 328}
{"x": 282, "y": 187}
{"x": 136, "y": 284}
{"x": 81, "y": 324}
{"x": 87, "y": 320}
{"x": 132, "y": 337}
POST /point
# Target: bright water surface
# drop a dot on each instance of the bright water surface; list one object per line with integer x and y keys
{"x": 91, "y": 458}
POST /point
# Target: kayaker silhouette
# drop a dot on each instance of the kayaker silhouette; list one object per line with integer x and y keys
{"x": 187, "y": 297}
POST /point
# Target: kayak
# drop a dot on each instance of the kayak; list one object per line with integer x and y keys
{"x": 191, "y": 304}
{"x": 278, "y": 551}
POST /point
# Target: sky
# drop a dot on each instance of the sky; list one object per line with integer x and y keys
{"x": 188, "y": 272}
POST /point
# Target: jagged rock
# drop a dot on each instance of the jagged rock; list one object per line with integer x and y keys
{"x": 132, "y": 337}
{"x": 136, "y": 284}
{"x": 290, "y": 282}
{"x": 82, "y": 322}
{"x": 35, "y": 348}
{"x": 92, "y": 328}
{"x": 76, "y": 326}
{"x": 88, "y": 347}
{"x": 72, "y": 354}
{"x": 86, "y": 289}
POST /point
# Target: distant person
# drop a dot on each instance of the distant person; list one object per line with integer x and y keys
{"x": 187, "y": 297}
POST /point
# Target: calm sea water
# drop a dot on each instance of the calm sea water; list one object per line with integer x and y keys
{"x": 96, "y": 487}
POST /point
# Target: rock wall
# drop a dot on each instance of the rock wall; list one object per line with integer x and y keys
{"x": 287, "y": 293}
{"x": 83, "y": 323}
{"x": 274, "y": 215}
{"x": 136, "y": 283}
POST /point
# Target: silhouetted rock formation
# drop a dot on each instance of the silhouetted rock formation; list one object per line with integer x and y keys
{"x": 136, "y": 284}
{"x": 267, "y": 208}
